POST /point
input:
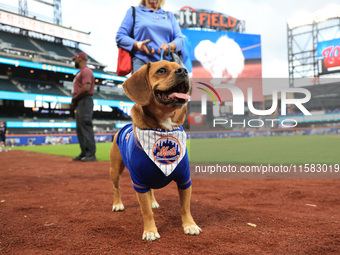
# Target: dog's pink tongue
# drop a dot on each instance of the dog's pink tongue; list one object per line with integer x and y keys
{"x": 179, "y": 95}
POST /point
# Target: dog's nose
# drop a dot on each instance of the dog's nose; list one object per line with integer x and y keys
{"x": 181, "y": 71}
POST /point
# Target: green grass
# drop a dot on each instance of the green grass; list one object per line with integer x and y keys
{"x": 287, "y": 150}
{"x": 323, "y": 149}
{"x": 69, "y": 150}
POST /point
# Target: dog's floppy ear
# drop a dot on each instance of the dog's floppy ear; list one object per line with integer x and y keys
{"x": 137, "y": 87}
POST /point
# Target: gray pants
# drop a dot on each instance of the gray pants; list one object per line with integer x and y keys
{"x": 84, "y": 112}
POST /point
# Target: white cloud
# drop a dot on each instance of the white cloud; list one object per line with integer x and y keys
{"x": 276, "y": 68}
{"x": 265, "y": 17}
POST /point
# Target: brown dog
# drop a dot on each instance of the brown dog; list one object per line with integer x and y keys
{"x": 155, "y": 143}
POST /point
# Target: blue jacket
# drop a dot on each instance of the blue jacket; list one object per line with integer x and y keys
{"x": 145, "y": 174}
{"x": 158, "y": 26}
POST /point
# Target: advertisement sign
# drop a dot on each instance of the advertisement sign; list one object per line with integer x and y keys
{"x": 53, "y": 139}
{"x": 189, "y": 17}
{"x": 221, "y": 58}
{"x": 222, "y": 54}
{"x": 26, "y": 23}
{"x": 195, "y": 118}
{"x": 27, "y": 124}
{"x": 9, "y": 95}
{"x": 328, "y": 54}
{"x": 53, "y": 68}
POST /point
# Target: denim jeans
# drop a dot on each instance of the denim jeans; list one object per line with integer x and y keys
{"x": 136, "y": 64}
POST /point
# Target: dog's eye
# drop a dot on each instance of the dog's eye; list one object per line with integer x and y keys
{"x": 161, "y": 71}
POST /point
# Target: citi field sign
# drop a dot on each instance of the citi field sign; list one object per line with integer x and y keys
{"x": 189, "y": 17}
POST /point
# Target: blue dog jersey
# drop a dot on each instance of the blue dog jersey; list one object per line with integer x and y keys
{"x": 159, "y": 158}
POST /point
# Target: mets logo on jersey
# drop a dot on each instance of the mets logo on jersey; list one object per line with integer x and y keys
{"x": 166, "y": 150}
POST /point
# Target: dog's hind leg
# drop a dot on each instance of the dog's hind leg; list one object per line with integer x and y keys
{"x": 154, "y": 203}
{"x": 116, "y": 169}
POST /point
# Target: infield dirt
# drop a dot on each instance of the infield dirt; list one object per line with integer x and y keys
{"x": 51, "y": 205}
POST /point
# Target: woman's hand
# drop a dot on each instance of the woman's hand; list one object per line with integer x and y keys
{"x": 141, "y": 46}
{"x": 165, "y": 47}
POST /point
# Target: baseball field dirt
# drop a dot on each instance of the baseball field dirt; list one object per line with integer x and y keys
{"x": 51, "y": 205}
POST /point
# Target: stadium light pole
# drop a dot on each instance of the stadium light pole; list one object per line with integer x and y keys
{"x": 23, "y": 7}
{"x": 57, "y": 12}
{"x": 304, "y": 33}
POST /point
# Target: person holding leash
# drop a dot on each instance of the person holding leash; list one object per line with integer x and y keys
{"x": 154, "y": 30}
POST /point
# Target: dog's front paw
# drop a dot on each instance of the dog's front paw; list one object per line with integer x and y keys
{"x": 151, "y": 236}
{"x": 192, "y": 230}
{"x": 118, "y": 207}
{"x": 154, "y": 205}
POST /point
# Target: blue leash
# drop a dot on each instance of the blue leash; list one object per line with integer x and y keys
{"x": 162, "y": 52}
{"x": 168, "y": 56}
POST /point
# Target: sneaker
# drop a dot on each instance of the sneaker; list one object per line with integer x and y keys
{"x": 78, "y": 158}
{"x": 88, "y": 159}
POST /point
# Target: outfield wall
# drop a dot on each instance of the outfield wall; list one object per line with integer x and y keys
{"x": 265, "y": 132}
{"x": 55, "y": 139}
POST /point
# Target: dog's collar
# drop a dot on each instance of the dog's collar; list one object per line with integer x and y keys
{"x": 166, "y": 148}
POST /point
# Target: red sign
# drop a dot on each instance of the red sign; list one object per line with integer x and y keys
{"x": 195, "y": 119}
{"x": 331, "y": 56}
